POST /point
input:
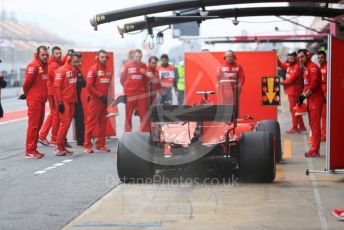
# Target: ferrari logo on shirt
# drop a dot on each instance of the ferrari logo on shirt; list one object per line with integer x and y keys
{"x": 44, "y": 77}
{"x": 40, "y": 70}
{"x": 108, "y": 73}
{"x": 323, "y": 71}
{"x": 100, "y": 73}
{"x": 69, "y": 74}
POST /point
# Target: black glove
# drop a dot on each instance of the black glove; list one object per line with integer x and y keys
{"x": 22, "y": 97}
{"x": 120, "y": 99}
{"x": 300, "y": 99}
{"x": 61, "y": 107}
{"x": 104, "y": 99}
{"x": 1, "y": 111}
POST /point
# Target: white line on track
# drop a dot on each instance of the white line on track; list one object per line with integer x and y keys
{"x": 54, "y": 166}
{"x": 13, "y": 121}
{"x": 19, "y": 119}
{"x": 320, "y": 207}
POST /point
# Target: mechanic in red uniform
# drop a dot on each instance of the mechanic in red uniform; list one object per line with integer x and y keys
{"x": 229, "y": 70}
{"x": 35, "y": 91}
{"x": 293, "y": 86}
{"x": 134, "y": 82}
{"x": 315, "y": 99}
{"x": 323, "y": 69}
{"x": 65, "y": 91}
{"x": 98, "y": 84}
{"x": 153, "y": 79}
{"x": 54, "y": 63}
{"x": 167, "y": 79}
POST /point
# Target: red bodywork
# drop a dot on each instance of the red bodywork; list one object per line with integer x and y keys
{"x": 201, "y": 75}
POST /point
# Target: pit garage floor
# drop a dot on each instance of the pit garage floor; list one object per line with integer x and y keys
{"x": 293, "y": 201}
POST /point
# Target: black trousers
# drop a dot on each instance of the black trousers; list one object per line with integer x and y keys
{"x": 1, "y": 111}
{"x": 79, "y": 123}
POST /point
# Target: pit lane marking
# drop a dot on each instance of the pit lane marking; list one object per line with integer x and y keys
{"x": 54, "y": 166}
{"x": 316, "y": 193}
{"x": 287, "y": 153}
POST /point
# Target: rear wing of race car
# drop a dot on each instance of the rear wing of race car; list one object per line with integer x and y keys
{"x": 199, "y": 113}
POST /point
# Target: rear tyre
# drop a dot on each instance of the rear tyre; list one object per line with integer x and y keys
{"x": 256, "y": 158}
{"x": 134, "y": 157}
{"x": 274, "y": 128}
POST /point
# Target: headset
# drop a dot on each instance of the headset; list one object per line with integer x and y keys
{"x": 96, "y": 58}
{"x": 234, "y": 56}
{"x": 306, "y": 51}
{"x": 74, "y": 54}
{"x": 36, "y": 54}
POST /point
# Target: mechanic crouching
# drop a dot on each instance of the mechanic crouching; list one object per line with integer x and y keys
{"x": 315, "y": 99}
{"x": 134, "y": 82}
{"x": 98, "y": 83}
{"x": 66, "y": 95}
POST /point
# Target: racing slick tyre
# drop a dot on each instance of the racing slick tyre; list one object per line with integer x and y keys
{"x": 256, "y": 157}
{"x": 274, "y": 128}
{"x": 134, "y": 158}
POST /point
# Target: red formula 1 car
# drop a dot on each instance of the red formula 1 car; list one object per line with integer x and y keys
{"x": 200, "y": 139}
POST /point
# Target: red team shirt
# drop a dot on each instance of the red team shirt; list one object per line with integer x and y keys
{"x": 65, "y": 83}
{"x": 35, "y": 85}
{"x": 52, "y": 68}
{"x": 312, "y": 79}
{"x": 98, "y": 80}
{"x": 133, "y": 78}
{"x": 232, "y": 72}
{"x": 323, "y": 71}
{"x": 293, "y": 78}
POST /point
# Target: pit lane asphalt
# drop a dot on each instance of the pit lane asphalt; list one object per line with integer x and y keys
{"x": 33, "y": 199}
{"x": 72, "y": 194}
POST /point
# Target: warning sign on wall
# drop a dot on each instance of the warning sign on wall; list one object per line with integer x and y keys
{"x": 271, "y": 91}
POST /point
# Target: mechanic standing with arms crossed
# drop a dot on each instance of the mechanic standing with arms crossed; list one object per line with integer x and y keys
{"x": 230, "y": 70}
{"x": 315, "y": 99}
{"x": 52, "y": 121}
{"x": 65, "y": 91}
{"x": 98, "y": 84}
{"x": 134, "y": 82}
{"x": 35, "y": 92}
{"x": 293, "y": 86}
{"x": 323, "y": 69}
{"x": 167, "y": 79}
